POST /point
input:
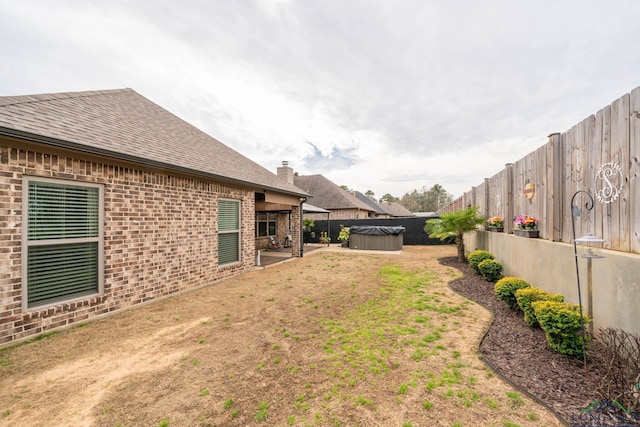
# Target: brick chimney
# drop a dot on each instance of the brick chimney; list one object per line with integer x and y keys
{"x": 285, "y": 172}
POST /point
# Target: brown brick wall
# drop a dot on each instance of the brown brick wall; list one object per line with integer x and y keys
{"x": 159, "y": 236}
{"x": 338, "y": 214}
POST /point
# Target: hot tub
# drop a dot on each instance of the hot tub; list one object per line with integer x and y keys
{"x": 374, "y": 237}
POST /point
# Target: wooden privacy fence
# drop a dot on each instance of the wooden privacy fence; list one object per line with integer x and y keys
{"x": 600, "y": 155}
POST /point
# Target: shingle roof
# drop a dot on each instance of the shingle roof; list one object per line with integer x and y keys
{"x": 396, "y": 209}
{"x": 125, "y": 125}
{"x": 328, "y": 195}
{"x": 375, "y": 206}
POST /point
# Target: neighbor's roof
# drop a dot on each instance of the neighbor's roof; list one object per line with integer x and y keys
{"x": 396, "y": 209}
{"x": 124, "y": 125}
{"x": 375, "y": 206}
{"x": 328, "y": 195}
{"x": 307, "y": 208}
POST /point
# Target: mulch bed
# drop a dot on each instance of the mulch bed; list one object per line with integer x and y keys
{"x": 520, "y": 353}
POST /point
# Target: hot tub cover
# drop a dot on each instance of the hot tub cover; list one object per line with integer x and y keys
{"x": 376, "y": 230}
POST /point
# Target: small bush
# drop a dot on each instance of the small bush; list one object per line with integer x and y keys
{"x": 506, "y": 288}
{"x": 476, "y": 257}
{"x": 526, "y": 296}
{"x": 490, "y": 269}
{"x": 561, "y": 324}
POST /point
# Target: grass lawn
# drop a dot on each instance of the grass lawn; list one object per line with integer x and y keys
{"x": 337, "y": 338}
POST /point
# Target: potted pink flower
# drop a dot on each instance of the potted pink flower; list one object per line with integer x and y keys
{"x": 525, "y": 226}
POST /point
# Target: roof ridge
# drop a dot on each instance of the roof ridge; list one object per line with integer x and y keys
{"x": 347, "y": 195}
{"x": 47, "y": 97}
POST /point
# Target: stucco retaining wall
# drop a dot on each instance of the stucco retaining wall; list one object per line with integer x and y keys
{"x": 615, "y": 284}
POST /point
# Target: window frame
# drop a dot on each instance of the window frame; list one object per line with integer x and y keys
{"x": 267, "y": 221}
{"x": 27, "y": 243}
{"x": 237, "y": 231}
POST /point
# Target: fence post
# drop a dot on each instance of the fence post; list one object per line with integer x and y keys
{"x": 485, "y": 212}
{"x": 507, "y": 197}
{"x": 555, "y": 185}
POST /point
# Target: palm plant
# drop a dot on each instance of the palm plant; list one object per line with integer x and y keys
{"x": 455, "y": 224}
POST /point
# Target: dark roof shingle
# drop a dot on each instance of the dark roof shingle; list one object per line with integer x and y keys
{"x": 125, "y": 125}
{"x": 375, "y": 206}
{"x": 328, "y": 195}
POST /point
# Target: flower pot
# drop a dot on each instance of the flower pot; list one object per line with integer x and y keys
{"x": 495, "y": 229}
{"x": 532, "y": 234}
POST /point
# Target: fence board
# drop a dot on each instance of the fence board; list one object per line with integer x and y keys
{"x": 606, "y": 157}
{"x": 518, "y": 186}
{"x": 540, "y": 199}
{"x": 554, "y": 187}
{"x": 634, "y": 171}
{"x": 588, "y": 126}
{"x": 568, "y": 184}
{"x": 596, "y": 161}
{"x": 566, "y": 164}
{"x": 508, "y": 197}
{"x": 617, "y": 134}
{"x": 579, "y": 176}
{"x": 625, "y": 162}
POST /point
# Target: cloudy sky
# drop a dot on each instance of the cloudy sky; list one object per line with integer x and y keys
{"x": 381, "y": 95}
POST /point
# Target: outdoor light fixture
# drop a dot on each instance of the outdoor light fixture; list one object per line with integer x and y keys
{"x": 591, "y": 242}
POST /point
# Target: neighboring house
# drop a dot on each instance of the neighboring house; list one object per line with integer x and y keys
{"x": 396, "y": 209}
{"x": 327, "y": 195}
{"x": 378, "y": 210}
{"x": 109, "y": 201}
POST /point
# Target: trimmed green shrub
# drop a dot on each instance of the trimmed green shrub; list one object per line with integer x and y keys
{"x": 526, "y": 296}
{"x": 561, "y": 324}
{"x": 490, "y": 269}
{"x": 476, "y": 257}
{"x": 506, "y": 288}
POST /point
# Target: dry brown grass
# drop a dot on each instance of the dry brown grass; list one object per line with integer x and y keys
{"x": 327, "y": 340}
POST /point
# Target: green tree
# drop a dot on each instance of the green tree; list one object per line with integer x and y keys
{"x": 388, "y": 198}
{"x": 414, "y": 201}
{"x": 455, "y": 224}
{"x": 437, "y": 197}
{"x": 370, "y": 194}
{"x": 426, "y": 199}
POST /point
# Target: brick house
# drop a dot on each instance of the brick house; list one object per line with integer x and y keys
{"x": 377, "y": 210}
{"x": 327, "y": 195}
{"x": 110, "y": 201}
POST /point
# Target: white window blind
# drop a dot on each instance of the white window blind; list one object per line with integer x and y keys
{"x": 63, "y": 239}
{"x": 228, "y": 231}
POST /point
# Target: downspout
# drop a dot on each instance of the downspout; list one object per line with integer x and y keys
{"x": 300, "y": 231}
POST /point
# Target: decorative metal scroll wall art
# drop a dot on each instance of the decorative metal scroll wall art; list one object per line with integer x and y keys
{"x": 609, "y": 182}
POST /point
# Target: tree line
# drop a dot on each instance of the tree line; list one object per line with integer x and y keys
{"x": 418, "y": 200}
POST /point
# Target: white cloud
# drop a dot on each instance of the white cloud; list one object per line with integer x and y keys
{"x": 387, "y": 96}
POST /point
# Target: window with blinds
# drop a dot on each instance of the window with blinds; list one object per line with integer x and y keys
{"x": 63, "y": 241}
{"x": 228, "y": 231}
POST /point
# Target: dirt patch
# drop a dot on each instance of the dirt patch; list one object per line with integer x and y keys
{"x": 337, "y": 338}
{"x": 520, "y": 352}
